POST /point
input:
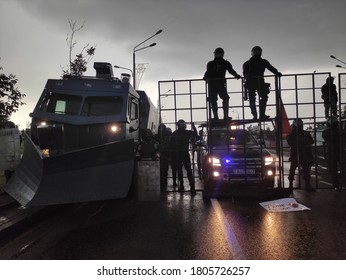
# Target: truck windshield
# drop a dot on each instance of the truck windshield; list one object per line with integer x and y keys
{"x": 232, "y": 137}
{"x": 102, "y": 106}
{"x": 61, "y": 103}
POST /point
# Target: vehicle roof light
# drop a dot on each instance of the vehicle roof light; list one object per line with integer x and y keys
{"x": 103, "y": 70}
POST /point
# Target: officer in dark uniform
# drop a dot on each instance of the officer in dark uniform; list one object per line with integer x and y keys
{"x": 253, "y": 71}
{"x": 181, "y": 156}
{"x": 300, "y": 142}
{"x": 332, "y": 138}
{"x": 330, "y": 97}
{"x": 215, "y": 77}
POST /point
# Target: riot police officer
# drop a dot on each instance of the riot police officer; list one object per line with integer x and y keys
{"x": 300, "y": 142}
{"x": 215, "y": 77}
{"x": 253, "y": 71}
{"x": 330, "y": 97}
{"x": 181, "y": 156}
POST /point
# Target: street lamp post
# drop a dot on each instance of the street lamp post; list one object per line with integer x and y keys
{"x": 119, "y": 67}
{"x": 332, "y": 56}
{"x": 142, "y": 48}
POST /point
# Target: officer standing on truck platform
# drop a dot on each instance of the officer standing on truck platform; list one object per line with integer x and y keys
{"x": 215, "y": 77}
{"x": 330, "y": 97}
{"x": 253, "y": 71}
{"x": 181, "y": 155}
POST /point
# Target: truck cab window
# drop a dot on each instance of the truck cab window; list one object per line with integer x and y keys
{"x": 61, "y": 103}
{"x": 102, "y": 106}
{"x": 134, "y": 109}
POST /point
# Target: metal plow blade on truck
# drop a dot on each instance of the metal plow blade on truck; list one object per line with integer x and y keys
{"x": 96, "y": 173}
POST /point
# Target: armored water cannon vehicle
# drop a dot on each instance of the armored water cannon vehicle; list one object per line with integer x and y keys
{"x": 85, "y": 133}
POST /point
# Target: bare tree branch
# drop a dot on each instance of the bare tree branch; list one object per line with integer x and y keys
{"x": 77, "y": 66}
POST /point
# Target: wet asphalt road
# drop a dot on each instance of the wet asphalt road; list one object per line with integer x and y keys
{"x": 182, "y": 226}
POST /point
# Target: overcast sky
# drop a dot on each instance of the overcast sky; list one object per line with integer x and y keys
{"x": 297, "y": 36}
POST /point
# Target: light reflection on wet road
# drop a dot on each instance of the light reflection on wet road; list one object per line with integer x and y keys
{"x": 181, "y": 226}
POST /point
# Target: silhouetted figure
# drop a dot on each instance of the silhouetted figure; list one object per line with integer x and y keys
{"x": 300, "y": 142}
{"x": 253, "y": 71}
{"x": 215, "y": 77}
{"x": 330, "y": 97}
{"x": 164, "y": 138}
{"x": 149, "y": 145}
{"x": 181, "y": 157}
{"x": 331, "y": 137}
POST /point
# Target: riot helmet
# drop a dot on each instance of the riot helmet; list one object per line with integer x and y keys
{"x": 256, "y": 50}
{"x": 181, "y": 124}
{"x": 161, "y": 128}
{"x": 219, "y": 52}
{"x": 330, "y": 80}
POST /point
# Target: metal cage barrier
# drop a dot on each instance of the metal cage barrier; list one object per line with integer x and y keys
{"x": 291, "y": 97}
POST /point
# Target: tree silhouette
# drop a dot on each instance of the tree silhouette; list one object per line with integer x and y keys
{"x": 10, "y": 96}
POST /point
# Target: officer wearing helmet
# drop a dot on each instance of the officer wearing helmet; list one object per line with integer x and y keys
{"x": 300, "y": 142}
{"x": 253, "y": 71}
{"x": 331, "y": 137}
{"x": 330, "y": 97}
{"x": 215, "y": 77}
{"x": 163, "y": 138}
{"x": 181, "y": 157}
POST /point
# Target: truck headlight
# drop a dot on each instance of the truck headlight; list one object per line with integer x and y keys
{"x": 268, "y": 160}
{"x": 215, "y": 161}
{"x": 114, "y": 128}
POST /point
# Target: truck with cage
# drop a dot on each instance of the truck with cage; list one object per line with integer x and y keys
{"x": 235, "y": 162}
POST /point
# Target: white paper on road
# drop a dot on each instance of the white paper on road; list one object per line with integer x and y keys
{"x": 283, "y": 205}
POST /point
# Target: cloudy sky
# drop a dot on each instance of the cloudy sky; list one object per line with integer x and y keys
{"x": 297, "y": 36}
